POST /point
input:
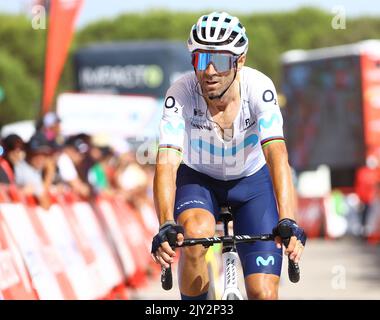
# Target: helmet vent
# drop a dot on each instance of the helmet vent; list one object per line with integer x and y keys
{"x": 233, "y": 35}
{"x": 240, "y": 43}
{"x": 221, "y": 33}
{"x": 212, "y": 31}
{"x": 203, "y": 32}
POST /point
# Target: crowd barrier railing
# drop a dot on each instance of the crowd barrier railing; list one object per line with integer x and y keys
{"x": 76, "y": 249}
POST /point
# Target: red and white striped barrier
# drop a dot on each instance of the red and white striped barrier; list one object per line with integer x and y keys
{"x": 73, "y": 250}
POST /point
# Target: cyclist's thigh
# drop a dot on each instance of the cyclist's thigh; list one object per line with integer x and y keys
{"x": 258, "y": 215}
{"x": 193, "y": 192}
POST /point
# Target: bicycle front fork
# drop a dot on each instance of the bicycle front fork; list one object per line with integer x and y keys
{"x": 230, "y": 267}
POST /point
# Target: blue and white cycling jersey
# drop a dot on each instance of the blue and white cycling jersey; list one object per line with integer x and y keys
{"x": 187, "y": 125}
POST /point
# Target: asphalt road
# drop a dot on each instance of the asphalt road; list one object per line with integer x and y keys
{"x": 330, "y": 269}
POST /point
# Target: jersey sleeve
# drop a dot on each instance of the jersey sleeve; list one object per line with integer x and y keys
{"x": 172, "y": 125}
{"x": 269, "y": 117}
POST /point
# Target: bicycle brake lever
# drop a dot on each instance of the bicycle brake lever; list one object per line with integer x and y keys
{"x": 166, "y": 273}
{"x": 293, "y": 268}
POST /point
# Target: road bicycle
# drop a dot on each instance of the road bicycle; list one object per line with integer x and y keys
{"x": 229, "y": 255}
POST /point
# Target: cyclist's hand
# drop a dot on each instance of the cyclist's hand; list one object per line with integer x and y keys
{"x": 162, "y": 252}
{"x": 297, "y": 241}
{"x": 294, "y": 249}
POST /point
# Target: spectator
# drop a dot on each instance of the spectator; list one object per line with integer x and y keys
{"x": 50, "y": 127}
{"x": 131, "y": 178}
{"x": 98, "y": 173}
{"x": 85, "y": 165}
{"x": 29, "y": 172}
{"x": 73, "y": 154}
{"x": 13, "y": 152}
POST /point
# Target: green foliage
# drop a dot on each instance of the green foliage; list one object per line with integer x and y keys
{"x": 270, "y": 34}
{"x": 20, "y": 40}
{"x": 20, "y": 90}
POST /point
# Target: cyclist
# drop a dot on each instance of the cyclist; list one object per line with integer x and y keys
{"x": 222, "y": 143}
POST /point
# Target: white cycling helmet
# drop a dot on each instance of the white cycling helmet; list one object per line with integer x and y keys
{"x": 218, "y": 31}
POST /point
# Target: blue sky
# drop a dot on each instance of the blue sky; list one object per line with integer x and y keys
{"x": 97, "y": 9}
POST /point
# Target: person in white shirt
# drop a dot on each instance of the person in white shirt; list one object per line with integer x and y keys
{"x": 72, "y": 155}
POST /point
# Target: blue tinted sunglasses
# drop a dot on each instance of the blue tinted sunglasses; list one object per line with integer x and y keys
{"x": 222, "y": 62}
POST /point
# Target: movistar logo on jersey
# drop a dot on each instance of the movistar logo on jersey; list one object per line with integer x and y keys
{"x": 173, "y": 130}
{"x": 268, "y": 123}
{"x": 260, "y": 261}
{"x": 198, "y": 145}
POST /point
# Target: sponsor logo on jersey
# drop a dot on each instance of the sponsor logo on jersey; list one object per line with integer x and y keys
{"x": 199, "y": 121}
{"x": 248, "y": 123}
{"x": 190, "y": 202}
{"x": 200, "y": 125}
{"x": 169, "y": 102}
{"x": 260, "y": 261}
{"x": 174, "y": 130}
{"x": 198, "y": 113}
{"x": 268, "y": 123}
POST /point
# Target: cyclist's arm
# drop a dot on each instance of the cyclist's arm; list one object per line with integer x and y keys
{"x": 276, "y": 157}
{"x": 270, "y": 123}
{"x": 169, "y": 156}
{"x": 164, "y": 186}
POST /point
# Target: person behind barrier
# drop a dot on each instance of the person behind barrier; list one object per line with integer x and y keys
{"x": 50, "y": 126}
{"x": 29, "y": 173}
{"x": 13, "y": 151}
{"x": 97, "y": 175}
{"x": 222, "y": 143}
{"x": 72, "y": 155}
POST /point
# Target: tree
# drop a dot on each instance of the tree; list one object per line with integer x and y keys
{"x": 21, "y": 97}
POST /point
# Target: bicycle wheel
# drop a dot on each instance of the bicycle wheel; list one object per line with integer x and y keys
{"x": 232, "y": 296}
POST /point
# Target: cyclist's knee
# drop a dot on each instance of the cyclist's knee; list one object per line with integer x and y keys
{"x": 201, "y": 226}
{"x": 262, "y": 287}
{"x": 264, "y": 293}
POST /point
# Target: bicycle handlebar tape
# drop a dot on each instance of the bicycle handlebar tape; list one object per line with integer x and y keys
{"x": 285, "y": 233}
{"x": 166, "y": 273}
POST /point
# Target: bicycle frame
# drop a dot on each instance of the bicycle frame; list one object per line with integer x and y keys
{"x": 230, "y": 258}
{"x": 231, "y": 287}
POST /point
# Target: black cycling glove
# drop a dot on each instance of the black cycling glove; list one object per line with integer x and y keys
{"x": 297, "y": 231}
{"x": 161, "y": 236}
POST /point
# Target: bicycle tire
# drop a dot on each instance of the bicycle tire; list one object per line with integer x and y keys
{"x": 232, "y": 296}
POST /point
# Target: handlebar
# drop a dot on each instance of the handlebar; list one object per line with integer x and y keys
{"x": 226, "y": 240}
{"x": 285, "y": 233}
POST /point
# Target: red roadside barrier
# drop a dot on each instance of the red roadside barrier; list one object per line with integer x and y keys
{"x": 15, "y": 282}
{"x": 30, "y": 245}
{"x": 73, "y": 250}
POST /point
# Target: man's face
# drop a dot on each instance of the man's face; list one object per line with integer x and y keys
{"x": 75, "y": 156}
{"x": 38, "y": 160}
{"x": 219, "y": 71}
{"x": 16, "y": 155}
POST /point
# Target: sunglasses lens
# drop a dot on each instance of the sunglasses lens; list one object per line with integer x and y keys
{"x": 221, "y": 62}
